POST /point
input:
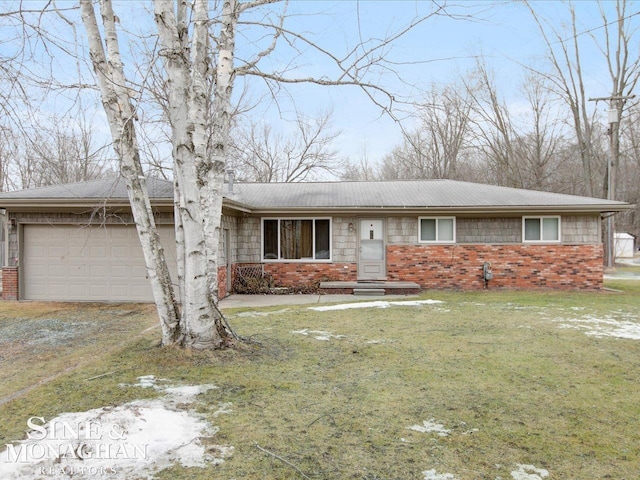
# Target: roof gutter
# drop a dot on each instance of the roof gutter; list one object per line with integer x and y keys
{"x": 66, "y": 203}
{"x": 515, "y": 209}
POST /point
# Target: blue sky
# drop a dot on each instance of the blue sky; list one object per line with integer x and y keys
{"x": 438, "y": 51}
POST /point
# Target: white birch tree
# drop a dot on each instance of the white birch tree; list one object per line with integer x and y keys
{"x": 197, "y": 44}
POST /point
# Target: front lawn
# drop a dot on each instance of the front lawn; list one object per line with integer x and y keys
{"x": 482, "y": 385}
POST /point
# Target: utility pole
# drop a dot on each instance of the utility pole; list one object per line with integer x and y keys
{"x": 616, "y": 104}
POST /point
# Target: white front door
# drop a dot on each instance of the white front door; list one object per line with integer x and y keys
{"x": 371, "y": 261}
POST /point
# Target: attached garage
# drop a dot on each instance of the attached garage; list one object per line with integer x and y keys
{"x": 87, "y": 263}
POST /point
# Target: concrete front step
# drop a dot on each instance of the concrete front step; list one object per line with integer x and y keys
{"x": 370, "y": 288}
{"x": 369, "y": 291}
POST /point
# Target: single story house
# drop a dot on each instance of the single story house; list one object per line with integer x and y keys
{"x": 77, "y": 242}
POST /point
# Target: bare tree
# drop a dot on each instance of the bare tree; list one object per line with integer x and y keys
{"x": 436, "y": 147}
{"x": 494, "y": 131}
{"x": 361, "y": 169}
{"x": 565, "y": 56}
{"x": 623, "y": 62}
{"x": 64, "y": 152}
{"x": 443, "y": 132}
{"x": 198, "y": 49}
{"x": 260, "y": 154}
{"x": 538, "y": 144}
{"x": 8, "y": 156}
{"x": 567, "y": 80}
{"x": 629, "y": 183}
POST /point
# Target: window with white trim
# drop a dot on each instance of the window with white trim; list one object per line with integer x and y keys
{"x": 296, "y": 239}
{"x": 541, "y": 229}
{"x": 437, "y": 229}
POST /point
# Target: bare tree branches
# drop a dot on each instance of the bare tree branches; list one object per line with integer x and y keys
{"x": 262, "y": 155}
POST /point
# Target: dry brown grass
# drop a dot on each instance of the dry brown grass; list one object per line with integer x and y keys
{"x": 496, "y": 369}
{"x": 41, "y": 340}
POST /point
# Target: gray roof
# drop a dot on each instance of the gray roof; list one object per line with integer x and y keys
{"x": 330, "y": 196}
{"x": 402, "y": 194}
{"x": 110, "y": 187}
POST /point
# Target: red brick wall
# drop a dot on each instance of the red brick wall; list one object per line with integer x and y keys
{"x": 303, "y": 274}
{"x": 516, "y": 266}
{"x": 459, "y": 267}
{"x": 10, "y": 283}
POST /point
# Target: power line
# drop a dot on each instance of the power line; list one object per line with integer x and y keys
{"x": 631, "y": 15}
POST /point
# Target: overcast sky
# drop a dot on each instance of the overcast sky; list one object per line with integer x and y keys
{"x": 439, "y": 51}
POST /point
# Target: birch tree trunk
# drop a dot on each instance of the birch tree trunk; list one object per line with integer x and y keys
{"x": 198, "y": 177}
{"x": 120, "y": 114}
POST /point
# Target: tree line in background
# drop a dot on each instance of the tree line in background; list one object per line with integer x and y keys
{"x": 553, "y": 138}
{"x": 466, "y": 131}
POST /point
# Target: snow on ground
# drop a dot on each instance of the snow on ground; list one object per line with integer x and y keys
{"x": 376, "y": 304}
{"x": 606, "y": 326}
{"x": 430, "y": 426}
{"x": 432, "y": 475}
{"x": 318, "y": 334}
{"x": 134, "y": 440}
{"x": 524, "y": 472}
{"x": 529, "y": 472}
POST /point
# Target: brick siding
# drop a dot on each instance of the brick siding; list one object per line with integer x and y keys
{"x": 514, "y": 266}
{"x": 10, "y": 283}
{"x": 459, "y": 267}
{"x": 306, "y": 274}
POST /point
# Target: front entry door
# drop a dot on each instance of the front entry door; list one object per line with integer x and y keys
{"x": 371, "y": 263}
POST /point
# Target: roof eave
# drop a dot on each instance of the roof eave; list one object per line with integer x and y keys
{"x": 457, "y": 210}
{"x": 65, "y": 203}
{"x": 50, "y": 204}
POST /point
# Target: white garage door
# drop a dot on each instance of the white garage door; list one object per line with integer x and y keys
{"x": 80, "y": 263}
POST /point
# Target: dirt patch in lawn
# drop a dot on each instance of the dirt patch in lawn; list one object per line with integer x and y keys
{"x": 56, "y": 338}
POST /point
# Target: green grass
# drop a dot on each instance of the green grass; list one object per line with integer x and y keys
{"x": 493, "y": 367}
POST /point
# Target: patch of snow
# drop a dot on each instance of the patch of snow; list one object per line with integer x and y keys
{"x": 430, "y": 426}
{"x": 176, "y": 394}
{"x": 432, "y": 475}
{"x": 603, "y": 327}
{"x": 376, "y": 304}
{"x": 134, "y": 440}
{"x": 147, "y": 381}
{"x": 223, "y": 409}
{"x": 318, "y": 334}
{"x": 529, "y": 472}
